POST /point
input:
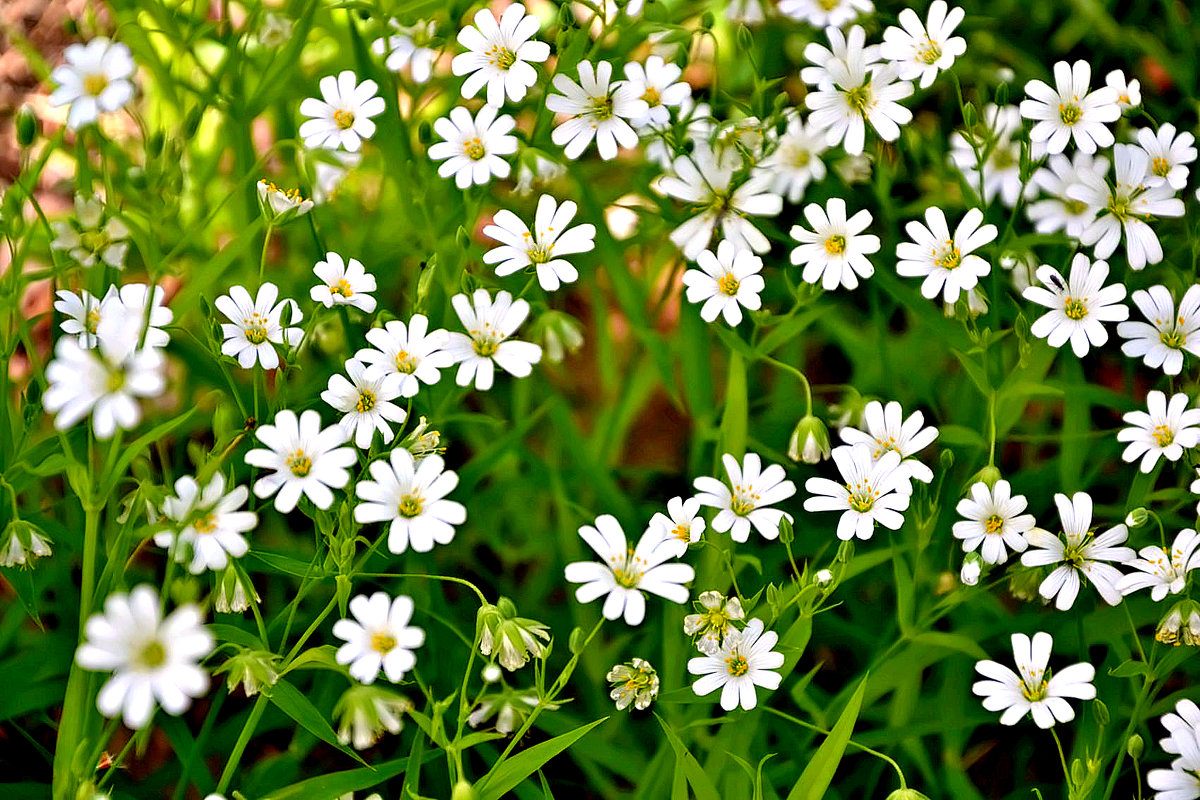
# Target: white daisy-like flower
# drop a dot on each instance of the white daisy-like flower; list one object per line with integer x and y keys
{"x": 1002, "y": 164}
{"x": 499, "y": 52}
{"x": 153, "y": 660}
{"x": 378, "y": 637}
{"x": 714, "y": 621}
{"x": 681, "y": 526}
{"x": 825, "y": 13}
{"x": 1125, "y": 208}
{"x": 657, "y": 83}
{"x": 1164, "y": 430}
{"x": 1163, "y": 572}
{"x": 489, "y": 325}
{"x": 725, "y": 282}
{"x": 306, "y": 460}
{"x": 342, "y": 118}
{"x": 597, "y": 108}
{"x": 343, "y": 283}
{"x": 473, "y": 148}
{"x": 703, "y": 181}
{"x": 1070, "y": 109}
{"x": 1078, "y": 308}
{"x": 89, "y": 238}
{"x": 796, "y": 160}
{"x": 543, "y": 247}
{"x": 624, "y": 572}
{"x": 1129, "y": 93}
{"x": 411, "y": 351}
{"x": 365, "y": 400}
{"x": 922, "y": 51}
{"x": 1168, "y": 155}
{"x": 1028, "y": 690}
{"x": 844, "y": 48}
{"x": 1060, "y": 211}
{"x": 281, "y": 206}
{"x": 411, "y": 498}
{"x": 871, "y": 491}
{"x": 1162, "y": 340}
{"x": 1182, "y": 780}
{"x": 83, "y": 313}
{"x": 409, "y": 47}
{"x": 95, "y": 80}
{"x": 992, "y": 518}
{"x": 212, "y": 523}
{"x": 945, "y": 262}
{"x": 748, "y": 504}
{"x": 1083, "y": 553}
{"x": 256, "y": 325}
{"x": 834, "y": 253}
{"x": 888, "y": 430}
{"x": 747, "y": 658}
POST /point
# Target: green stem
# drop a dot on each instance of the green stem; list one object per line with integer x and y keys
{"x": 850, "y": 742}
{"x": 800, "y": 375}
{"x": 260, "y": 706}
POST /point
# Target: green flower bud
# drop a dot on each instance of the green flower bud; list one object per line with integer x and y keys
{"x": 906, "y": 794}
{"x": 987, "y": 476}
{"x": 1135, "y": 746}
{"x": 511, "y": 638}
{"x": 463, "y": 791}
{"x": 28, "y": 126}
{"x": 1100, "y": 712}
{"x": 253, "y": 670}
{"x": 21, "y": 543}
{"x": 1137, "y": 517}
{"x": 810, "y": 441}
{"x": 559, "y": 334}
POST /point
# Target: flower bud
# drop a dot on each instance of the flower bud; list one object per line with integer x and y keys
{"x": 21, "y": 543}
{"x": 906, "y": 794}
{"x": 559, "y": 334}
{"x": 635, "y": 682}
{"x": 971, "y": 568}
{"x": 513, "y": 639}
{"x": 421, "y": 441}
{"x": 28, "y": 126}
{"x": 234, "y": 595}
{"x": 1137, "y": 517}
{"x": 365, "y": 713}
{"x": 253, "y": 670}
{"x": 987, "y": 476}
{"x": 1135, "y": 746}
{"x": 463, "y": 791}
{"x": 823, "y": 578}
{"x": 490, "y": 673}
{"x": 810, "y": 441}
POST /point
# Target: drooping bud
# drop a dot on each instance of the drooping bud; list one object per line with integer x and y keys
{"x": 1137, "y": 517}
{"x": 365, "y": 713}
{"x": 810, "y": 441}
{"x": 971, "y": 568}
{"x": 253, "y": 670}
{"x": 987, "y": 476}
{"x": 511, "y": 638}
{"x": 234, "y": 595}
{"x": 906, "y": 794}
{"x": 21, "y": 543}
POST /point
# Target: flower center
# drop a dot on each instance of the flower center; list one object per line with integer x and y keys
{"x": 929, "y": 52}
{"x": 410, "y": 506}
{"x": 383, "y": 643}
{"x": 602, "y": 107}
{"x": 94, "y": 84}
{"x": 728, "y": 285}
{"x": 92, "y": 320}
{"x": 485, "y": 347}
{"x": 743, "y": 501}
{"x": 1033, "y": 693}
{"x": 993, "y": 524}
{"x": 116, "y": 380}
{"x": 950, "y": 257}
{"x": 862, "y": 501}
{"x": 342, "y": 287}
{"x": 299, "y": 464}
{"x": 94, "y": 241}
{"x": 1162, "y": 435}
{"x": 1173, "y": 339}
{"x": 1075, "y": 309}
{"x": 1075, "y": 207}
{"x": 682, "y": 532}
{"x": 343, "y": 118}
{"x": 628, "y": 571}
{"x": 1004, "y": 158}
{"x": 829, "y": 5}
{"x": 366, "y": 401}
{"x": 206, "y": 524}
{"x": 1070, "y": 114}
{"x": 539, "y": 253}
{"x": 501, "y": 57}
{"x": 1160, "y": 167}
{"x": 651, "y": 97}
{"x": 152, "y": 655}
{"x": 1118, "y": 206}
{"x": 474, "y": 149}
{"x": 405, "y": 363}
{"x": 859, "y": 99}
{"x": 885, "y": 445}
{"x": 255, "y": 328}
{"x": 737, "y": 665}
{"x": 835, "y": 245}
{"x": 798, "y": 157}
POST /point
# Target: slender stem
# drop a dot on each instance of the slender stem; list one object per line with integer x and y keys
{"x": 851, "y": 742}
{"x": 1143, "y": 696}
{"x": 798, "y": 374}
{"x": 260, "y": 706}
{"x": 1061, "y": 758}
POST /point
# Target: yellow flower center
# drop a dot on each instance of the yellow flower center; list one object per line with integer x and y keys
{"x": 1119, "y": 207}
{"x": 500, "y": 57}
{"x": 539, "y": 253}
{"x": 950, "y": 257}
{"x": 728, "y": 285}
{"x": 94, "y": 241}
{"x": 255, "y": 327}
{"x": 1075, "y": 309}
{"x": 929, "y": 52}
{"x": 299, "y": 464}
{"x": 474, "y": 149}
{"x": 993, "y": 524}
{"x": 602, "y": 108}
{"x": 410, "y": 506}
{"x": 859, "y": 99}
{"x": 1174, "y": 339}
{"x": 343, "y": 118}
{"x": 206, "y": 524}
{"x": 797, "y": 156}
{"x": 485, "y": 347}
{"x": 1070, "y": 114}
{"x": 405, "y": 363}
{"x": 92, "y": 320}
{"x": 152, "y": 655}
{"x": 342, "y": 287}
{"x": 383, "y": 643}
{"x": 835, "y": 245}
{"x": 1075, "y": 207}
{"x": 682, "y": 532}
{"x": 737, "y": 665}
{"x": 366, "y": 401}
{"x": 1033, "y": 693}
{"x": 627, "y": 571}
{"x": 94, "y": 84}
{"x": 1162, "y": 435}
{"x": 116, "y": 380}
{"x": 1160, "y": 167}
{"x": 651, "y": 96}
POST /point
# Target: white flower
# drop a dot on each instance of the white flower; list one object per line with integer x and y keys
{"x": 256, "y": 325}
{"x": 212, "y": 524}
{"x": 365, "y": 401}
{"x": 1027, "y": 691}
{"x": 1083, "y": 553}
{"x": 844, "y": 48}
{"x": 658, "y": 85}
{"x": 597, "y": 108}
{"x": 624, "y": 572}
{"x": 749, "y": 12}
{"x": 343, "y": 283}
{"x": 544, "y": 246}
{"x": 1002, "y": 164}
{"x": 1059, "y": 211}
{"x": 94, "y": 80}
{"x": 281, "y": 206}
{"x": 91, "y": 239}
{"x": 871, "y": 491}
{"x": 971, "y": 569}
{"x": 825, "y": 13}
{"x": 945, "y": 261}
{"x": 499, "y": 54}
{"x": 305, "y": 459}
{"x": 409, "y": 46}
{"x": 1129, "y": 94}
{"x": 754, "y": 490}
{"x": 20, "y": 544}
{"x": 1168, "y": 155}
{"x": 992, "y": 517}
{"x": 379, "y": 637}
{"x": 1078, "y": 309}
{"x": 343, "y": 117}
{"x": 680, "y": 526}
{"x": 702, "y": 180}
{"x": 413, "y": 352}
{"x": 489, "y": 324}
{"x": 1125, "y": 207}
{"x": 834, "y": 253}
{"x": 1182, "y": 780}
{"x": 84, "y": 313}
{"x": 796, "y": 159}
{"x": 725, "y": 282}
{"x": 1069, "y": 110}
{"x": 746, "y": 659}
{"x": 922, "y": 51}
{"x": 152, "y": 659}
{"x": 1162, "y": 340}
{"x": 1162, "y": 572}
{"x": 714, "y": 622}
{"x": 364, "y": 714}
{"x": 887, "y": 429}
{"x": 411, "y": 498}
{"x": 473, "y": 147}
{"x": 1167, "y": 430}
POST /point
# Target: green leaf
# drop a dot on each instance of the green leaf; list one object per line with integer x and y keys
{"x": 734, "y": 420}
{"x": 132, "y": 451}
{"x": 975, "y": 372}
{"x": 336, "y": 784}
{"x": 291, "y": 701}
{"x": 818, "y": 775}
{"x": 685, "y": 762}
{"x": 1129, "y": 669}
{"x": 952, "y": 641}
{"x": 234, "y": 634}
{"x": 511, "y": 773}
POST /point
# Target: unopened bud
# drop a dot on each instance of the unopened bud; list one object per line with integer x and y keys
{"x": 987, "y": 476}
{"x": 971, "y": 568}
{"x": 1137, "y": 517}
{"x": 810, "y": 441}
{"x": 1135, "y": 746}
{"x": 28, "y": 126}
